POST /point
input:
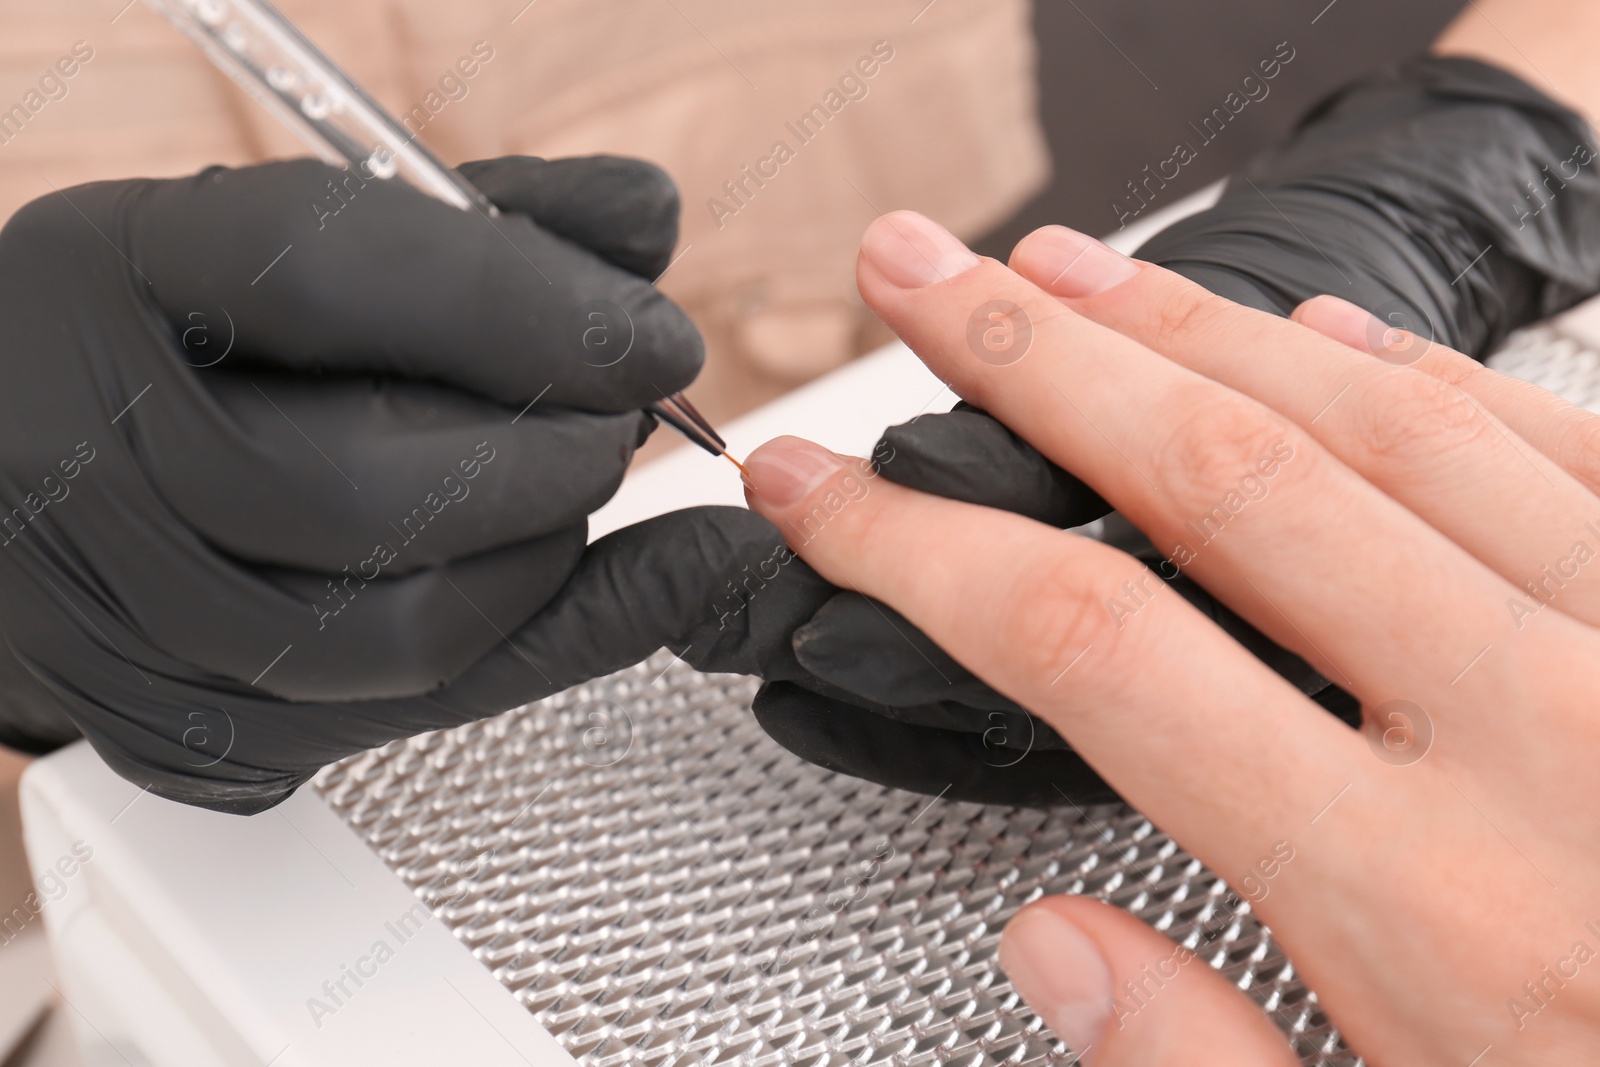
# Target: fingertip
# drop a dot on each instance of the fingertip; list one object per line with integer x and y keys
{"x": 1061, "y": 972}
{"x": 624, "y": 210}
{"x": 662, "y": 350}
{"x": 634, "y": 209}
{"x": 910, "y": 250}
{"x": 1351, "y": 325}
{"x": 869, "y": 280}
{"x": 785, "y": 471}
{"x": 876, "y": 290}
{"x": 1082, "y": 963}
{"x": 1066, "y": 263}
{"x": 645, "y": 426}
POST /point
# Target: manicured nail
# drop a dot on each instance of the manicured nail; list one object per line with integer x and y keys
{"x": 1060, "y": 973}
{"x": 1339, "y": 320}
{"x": 1350, "y": 324}
{"x": 1068, "y": 263}
{"x": 912, "y": 250}
{"x": 786, "y": 469}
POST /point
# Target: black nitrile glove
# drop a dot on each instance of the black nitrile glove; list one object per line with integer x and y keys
{"x": 289, "y": 469}
{"x": 1388, "y": 195}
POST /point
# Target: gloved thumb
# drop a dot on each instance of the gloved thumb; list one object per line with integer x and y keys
{"x": 1120, "y": 994}
{"x": 623, "y": 210}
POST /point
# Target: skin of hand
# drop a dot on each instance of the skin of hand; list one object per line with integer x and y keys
{"x": 1444, "y": 195}
{"x": 1433, "y": 875}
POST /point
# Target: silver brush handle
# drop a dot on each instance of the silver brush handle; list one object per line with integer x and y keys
{"x": 260, "y": 49}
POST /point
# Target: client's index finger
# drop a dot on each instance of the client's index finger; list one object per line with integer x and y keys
{"x": 1180, "y": 719}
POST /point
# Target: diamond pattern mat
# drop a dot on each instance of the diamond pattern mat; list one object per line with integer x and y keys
{"x": 1553, "y": 359}
{"x": 662, "y": 885}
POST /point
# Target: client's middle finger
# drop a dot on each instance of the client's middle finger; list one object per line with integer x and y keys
{"x": 1231, "y": 490}
{"x": 1424, "y": 441}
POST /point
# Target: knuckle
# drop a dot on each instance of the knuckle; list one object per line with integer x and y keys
{"x": 1414, "y": 414}
{"x": 1216, "y": 441}
{"x": 1448, "y": 365}
{"x": 1060, "y": 612}
{"x": 1578, "y": 451}
{"x": 1187, "y": 315}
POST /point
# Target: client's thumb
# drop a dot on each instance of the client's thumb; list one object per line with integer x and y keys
{"x": 1118, "y": 993}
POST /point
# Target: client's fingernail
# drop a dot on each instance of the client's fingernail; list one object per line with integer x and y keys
{"x": 1060, "y": 973}
{"x": 1350, "y": 324}
{"x": 912, "y": 250}
{"x": 787, "y": 469}
{"x": 1068, "y": 263}
{"x": 1339, "y": 320}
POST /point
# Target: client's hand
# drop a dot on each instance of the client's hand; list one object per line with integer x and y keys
{"x": 1394, "y": 194}
{"x": 1346, "y": 489}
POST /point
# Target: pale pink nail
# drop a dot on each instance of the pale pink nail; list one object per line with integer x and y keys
{"x": 786, "y": 469}
{"x": 911, "y": 250}
{"x": 1070, "y": 264}
{"x": 1060, "y": 973}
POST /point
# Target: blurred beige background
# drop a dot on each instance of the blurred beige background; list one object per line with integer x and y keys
{"x": 706, "y": 88}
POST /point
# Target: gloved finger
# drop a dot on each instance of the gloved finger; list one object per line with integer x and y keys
{"x": 1118, "y": 993}
{"x": 623, "y": 210}
{"x": 321, "y": 269}
{"x": 867, "y": 648}
{"x": 680, "y": 581}
{"x": 167, "y": 587}
{"x": 1017, "y": 731}
{"x": 1356, "y": 200}
{"x": 982, "y": 768}
{"x": 629, "y": 594}
{"x": 312, "y": 473}
{"x": 31, "y": 719}
{"x": 868, "y": 654}
{"x": 357, "y": 638}
{"x": 873, "y": 651}
{"x": 353, "y": 634}
{"x": 968, "y": 455}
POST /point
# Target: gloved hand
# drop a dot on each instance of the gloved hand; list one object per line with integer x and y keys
{"x": 1448, "y": 197}
{"x": 293, "y": 463}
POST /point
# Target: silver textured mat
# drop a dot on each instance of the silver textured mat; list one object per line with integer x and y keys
{"x": 1553, "y": 358}
{"x": 660, "y": 884}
